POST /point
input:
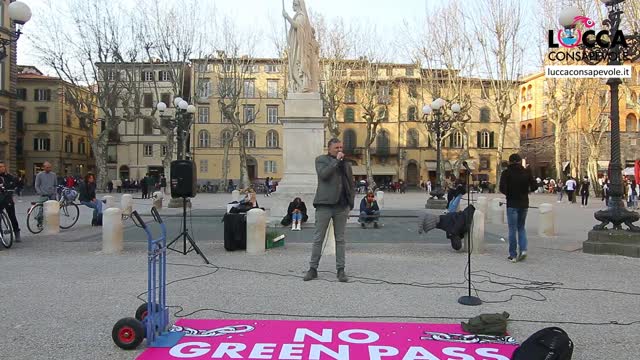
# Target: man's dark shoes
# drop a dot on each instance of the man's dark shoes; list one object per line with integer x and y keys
{"x": 342, "y": 277}
{"x": 310, "y": 275}
{"x": 375, "y": 224}
{"x": 362, "y": 225}
{"x": 17, "y": 236}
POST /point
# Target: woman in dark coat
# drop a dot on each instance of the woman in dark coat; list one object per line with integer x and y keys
{"x": 296, "y": 214}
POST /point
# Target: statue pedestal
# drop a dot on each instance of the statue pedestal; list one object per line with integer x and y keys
{"x": 612, "y": 242}
{"x": 303, "y": 140}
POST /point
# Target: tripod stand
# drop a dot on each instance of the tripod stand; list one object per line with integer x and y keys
{"x": 469, "y": 300}
{"x": 186, "y": 237}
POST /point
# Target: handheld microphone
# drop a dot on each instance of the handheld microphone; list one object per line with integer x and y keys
{"x": 466, "y": 166}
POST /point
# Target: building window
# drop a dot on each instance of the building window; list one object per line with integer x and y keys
{"x": 203, "y": 139}
{"x": 223, "y": 118}
{"x": 545, "y": 127}
{"x": 42, "y": 95}
{"x": 272, "y": 114}
{"x": 409, "y": 71}
{"x": 19, "y": 121}
{"x": 147, "y": 126}
{"x": 164, "y": 76}
{"x": 163, "y": 150}
{"x": 411, "y": 113}
{"x": 485, "y": 115}
{"x": 529, "y": 93}
{"x": 529, "y": 131}
{"x": 204, "y": 88}
{"x": 485, "y": 139}
{"x": 204, "y": 166}
{"x": 413, "y": 91}
{"x": 147, "y": 150}
{"x": 226, "y": 138}
{"x": 272, "y": 139}
{"x": 42, "y": 117}
{"x": 68, "y": 144}
{"x": 249, "y": 69}
{"x": 21, "y": 94}
{"x": 456, "y": 140}
{"x": 413, "y": 138}
{"x": 349, "y": 115}
{"x": 249, "y": 113}
{"x": 19, "y": 146}
{"x": 485, "y": 162}
{"x": 523, "y": 132}
{"x": 270, "y": 166}
{"x": 529, "y": 116}
{"x": 382, "y": 143}
{"x": 249, "y": 139}
{"x": 271, "y": 68}
{"x": 382, "y": 115}
{"x": 69, "y": 122}
{"x": 203, "y": 115}
{"x": 350, "y": 94}
{"x": 349, "y": 140}
{"x": 82, "y": 147}
{"x": 632, "y": 123}
{"x": 166, "y": 98}
{"x": 272, "y": 89}
{"x": 147, "y": 100}
{"x": 147, "y": 76}
{"x": 249, "y": 88}
{"x": 41, "y": 144}
{"x": 384, "y": 94}
{"x": 111, "y": 75}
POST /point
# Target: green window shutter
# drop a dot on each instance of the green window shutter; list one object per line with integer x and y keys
{"x": 491, "y": 142}
{"x": 478, "y": 139}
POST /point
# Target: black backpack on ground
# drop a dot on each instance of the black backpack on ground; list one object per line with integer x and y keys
{"x": 547, "y": 344}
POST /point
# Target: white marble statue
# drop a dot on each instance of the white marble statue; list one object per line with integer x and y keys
{"x": 303, "y": 51}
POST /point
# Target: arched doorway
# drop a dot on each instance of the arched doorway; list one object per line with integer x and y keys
{"x": 413, "y": 174}
{"x": 252, "y": 165}
{"x": 124, "y": 172}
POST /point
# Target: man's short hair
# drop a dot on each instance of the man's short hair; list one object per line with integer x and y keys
{"x": 515, "y": 158}
{"x": 334, "y": 141}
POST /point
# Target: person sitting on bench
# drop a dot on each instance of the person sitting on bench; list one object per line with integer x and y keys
{"x": 369, "y": 210}
{"x": 455, "y": 224}
{"x": 88, "y": 199}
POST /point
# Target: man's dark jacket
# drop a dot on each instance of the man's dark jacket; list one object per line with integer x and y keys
{"x": 516, "y": 183}
{"x": 7, "y": 182}
{"x": 330, "y": 181}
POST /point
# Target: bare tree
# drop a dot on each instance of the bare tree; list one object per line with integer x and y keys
{"x": 98, "y": 38}
{"x": 499, "y": 31}
{"x": 444, "y": 70}
{"x": 593, "y": 130}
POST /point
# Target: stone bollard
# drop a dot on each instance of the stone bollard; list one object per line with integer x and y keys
{"x": 235, "y": 195}
{"x": 157, "y": 199}
{"x": 51, "y": 217}
{"x": 127, "y": 204}
{"x": 112, "y": 231}
{"x": 256, "y": 231}
{"x": 497, "y": 212}
{"x": 546, "y": 227}
{"x": 109, "y": 202}
{"x": 482, "y": 204}
{"x": 380, "y": 198}
{"x": 329, "y": 244}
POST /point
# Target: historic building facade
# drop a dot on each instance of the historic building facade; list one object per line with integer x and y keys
{"x": 8, "y": 70}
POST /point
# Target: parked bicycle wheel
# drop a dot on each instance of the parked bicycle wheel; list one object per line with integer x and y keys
{"x": 69, "y": 214}
{"x": 35, "y": 219}
{"x": 6, "y": 231}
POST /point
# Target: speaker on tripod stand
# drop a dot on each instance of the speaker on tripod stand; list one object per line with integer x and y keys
{"x": 183, "y": 185}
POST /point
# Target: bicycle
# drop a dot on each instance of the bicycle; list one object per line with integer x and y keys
{"x": 69, "y": 211}
{"x": 6, "y": 229}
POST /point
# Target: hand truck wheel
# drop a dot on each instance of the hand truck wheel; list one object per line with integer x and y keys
{"x": 128, "y": 333}
{"x": 142, "y": 311}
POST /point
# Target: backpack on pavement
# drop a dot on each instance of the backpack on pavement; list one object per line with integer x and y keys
{"x": 551, "y": 343}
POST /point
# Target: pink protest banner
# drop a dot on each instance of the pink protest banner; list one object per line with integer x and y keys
{"x": 325, "y": 340}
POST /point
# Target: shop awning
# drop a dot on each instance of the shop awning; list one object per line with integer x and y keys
{"x": 375, "y": 170}
{"x": 431, "y": 165}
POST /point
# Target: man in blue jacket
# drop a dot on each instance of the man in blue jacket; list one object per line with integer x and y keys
{"x": 369, "y": 210}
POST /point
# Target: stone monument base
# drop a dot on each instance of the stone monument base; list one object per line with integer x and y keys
{"x": 175, "y": 203}
{"x": 438, "y": 204}
{"x": 612, "y": 242}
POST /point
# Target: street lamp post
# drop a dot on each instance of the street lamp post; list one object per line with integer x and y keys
{"x": 181, "y": 121}
{"x": 19, "y": 13}
{"x": 616, "y": 213}
{"x": 438, "y": 122}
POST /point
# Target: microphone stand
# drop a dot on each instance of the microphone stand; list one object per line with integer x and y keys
{"x": 468, "y": 299}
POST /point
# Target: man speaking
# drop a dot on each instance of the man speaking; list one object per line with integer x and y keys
{"x": 334, "y": 199}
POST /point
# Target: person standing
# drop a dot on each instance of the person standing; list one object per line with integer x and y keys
{"x": 144, "y": 188}
{"x": 584, "y": 191}
{"x": 571, "y": 189}
{"x": 9, "y": 182}
{"x": 19, "y": 187}
{"x": 334, "y": 199}
{"x": 429, "y": 186}
{"x": 605, "y": 192}
{"x": 516, "y": 182}
{"x": 163, "y": 184}
{"x": 560, "y": 189}
{"x": 46, "y": 182}
{"x": 267, "y": 187}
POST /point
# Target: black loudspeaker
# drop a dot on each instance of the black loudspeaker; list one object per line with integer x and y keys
{"x": 183, "y": 179}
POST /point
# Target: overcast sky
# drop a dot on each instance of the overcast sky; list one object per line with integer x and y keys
{"x": 257, "y": 14}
